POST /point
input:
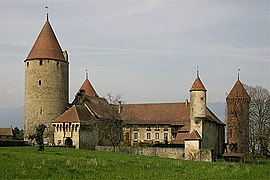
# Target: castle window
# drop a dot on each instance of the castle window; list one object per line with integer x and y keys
{"x": 39, "y": 82}
{"x": 57, "y": 127}
{"x": 148, "y": 128}
{"x": 165, "y": 136}
{"x": 57, "y": 64}
{"x": 157, "y": 128}
{"x": 166, "y": 128}
{"x": 40, "y": 111}
{"x": 27, "y": 64}
{"x": 201, "y": 98}
{"x": 72, "y": 129}
{"x": 76, "y": 127}
{"x": 136, "y": 127}
{"x": 135, "y": 136}
{"x": 60, "y": 127}
{"x": 40, "y": 62}
{"x": 157, "y": 136}
{"x": 148, "y": 136}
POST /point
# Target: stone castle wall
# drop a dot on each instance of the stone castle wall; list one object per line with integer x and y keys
{"x": 175, "y": 153}
{"x": 46, "y": 93}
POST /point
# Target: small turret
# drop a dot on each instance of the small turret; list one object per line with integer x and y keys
{"x": 197, "y": 105}
{"x": 88, "y": 88}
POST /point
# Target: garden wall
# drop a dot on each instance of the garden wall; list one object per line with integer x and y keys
{"x": 175, "y": 153}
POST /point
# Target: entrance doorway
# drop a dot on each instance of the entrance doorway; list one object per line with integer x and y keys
{"x": 68, "y": 142}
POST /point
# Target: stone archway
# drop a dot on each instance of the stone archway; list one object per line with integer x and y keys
{"x": 68, "y": 142}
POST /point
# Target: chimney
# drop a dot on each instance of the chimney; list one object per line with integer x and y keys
{"x": 119, "y": 107}
{"x": 186, "y": 102}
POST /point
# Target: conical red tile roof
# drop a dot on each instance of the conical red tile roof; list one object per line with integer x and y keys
{"x": 46, "y": 46}
{"x": 238, "y": 90}
{"x": 88, "y": 88}
{"x": 197, "y": 85}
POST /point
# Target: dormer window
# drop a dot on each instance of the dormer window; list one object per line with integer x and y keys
{"x": 135, "y": 127}
{"x": 166, "y": 128}
{"x": 157, "y": 128}
{"x": 148, "y": 128}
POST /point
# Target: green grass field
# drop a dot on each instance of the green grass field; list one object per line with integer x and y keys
{"x": 61, "y": 163}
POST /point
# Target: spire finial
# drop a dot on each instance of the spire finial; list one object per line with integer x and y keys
{"x": 86, "y": 74}
{"x": 197, "y": 71}
{"x": 238, "y": 74}
{"x": 47, "y": 9}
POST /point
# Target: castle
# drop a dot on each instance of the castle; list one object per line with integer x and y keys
{"x": 190, "y": 124}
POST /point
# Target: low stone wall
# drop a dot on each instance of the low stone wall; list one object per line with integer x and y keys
{"x": 175, "y": 153}
{"x": 206, "y": 155}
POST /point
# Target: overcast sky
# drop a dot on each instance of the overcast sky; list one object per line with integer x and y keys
{"x": 146, "y": 50}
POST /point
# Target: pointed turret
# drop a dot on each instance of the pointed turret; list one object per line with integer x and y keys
{"x": 197, "y": 85}
{"x": 238, "y": 90}
{"x": 197, "y": 105}
{"x": 46, "y": 45}
{"x": 88, "y": 88}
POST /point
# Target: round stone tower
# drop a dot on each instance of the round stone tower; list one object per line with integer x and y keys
{"x": 46, "y": 83}
{"x": 197, "y": 105}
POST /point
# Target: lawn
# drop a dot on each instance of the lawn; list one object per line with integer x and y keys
{"x": 61, "y": 163}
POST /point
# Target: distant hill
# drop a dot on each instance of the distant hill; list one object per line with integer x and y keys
{"x": 14, "y": 116}
{"x": 11, "y": 117}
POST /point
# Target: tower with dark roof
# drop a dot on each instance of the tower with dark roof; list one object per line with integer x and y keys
{"x": 46, "y": 82}
{"x": 238, "y": 117}
{"x": 197, "y": 105}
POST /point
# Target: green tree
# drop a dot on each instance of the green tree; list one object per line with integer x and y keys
{"x": 18, "y": 134}
{"x": 38, "y": 136}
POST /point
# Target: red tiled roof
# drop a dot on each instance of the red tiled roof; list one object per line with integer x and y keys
{"x": 88, "y": 88}
{"x": 238, "y": 90}
{"x": 101, "y": 108}
{"x": 6, "y": 132}
{"x": 197, "y": 85}
{"x": 161, "y": 113}
{"x": 193, "y": 136}
{"x": 180, "y": 138}
{"x": 75, "y": 114}
{"x": 46, "y": 46}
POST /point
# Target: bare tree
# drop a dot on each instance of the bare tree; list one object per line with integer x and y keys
{"x": 113, "y": 99}
{"x": 111, "y": 128}
{"x": 259, "y": 116}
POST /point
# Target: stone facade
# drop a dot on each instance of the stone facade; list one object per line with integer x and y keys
{"x": 152, "y": 134}
{"x": 46, "y": 86}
